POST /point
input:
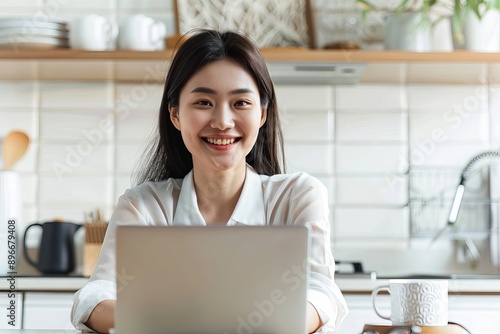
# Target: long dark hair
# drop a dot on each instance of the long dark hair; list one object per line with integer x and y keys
{"x": 167, "y": 156}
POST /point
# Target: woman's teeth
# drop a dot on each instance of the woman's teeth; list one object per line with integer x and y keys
{"x": 220, "y": 141}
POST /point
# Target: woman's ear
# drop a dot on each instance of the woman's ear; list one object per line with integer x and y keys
{"x": 174, "y": 116}
{"x": 263, "y": 116}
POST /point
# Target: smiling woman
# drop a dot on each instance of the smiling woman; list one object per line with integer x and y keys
{"x": 217, "y": 161}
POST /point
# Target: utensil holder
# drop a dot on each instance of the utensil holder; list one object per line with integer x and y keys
{"x": 90, "y": 255}
{"x": 94, "y": 237}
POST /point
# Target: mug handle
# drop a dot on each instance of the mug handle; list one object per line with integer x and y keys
{"x": 25, "y": 246}
{"x": 374, "y": 297}
{"x": 157, "y": 31}
{"x": 111, "y": 31}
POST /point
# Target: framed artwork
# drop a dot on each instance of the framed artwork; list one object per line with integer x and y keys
{"x": 269, "y": 23}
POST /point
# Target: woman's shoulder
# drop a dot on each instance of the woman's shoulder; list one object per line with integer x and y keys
{"x": 293, "y": 182}
{"x": 153, "y": 188}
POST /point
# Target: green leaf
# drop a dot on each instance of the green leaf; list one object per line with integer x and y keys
{"x": 402, "y": 6}
{"x": 367, "y": 5}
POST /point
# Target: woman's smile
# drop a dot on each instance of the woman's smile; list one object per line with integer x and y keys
{"x": 221, "y": 143}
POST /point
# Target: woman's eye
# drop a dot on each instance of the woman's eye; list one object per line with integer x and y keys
{"x": 203, "y": 103}
{"x": 241, "y": 103}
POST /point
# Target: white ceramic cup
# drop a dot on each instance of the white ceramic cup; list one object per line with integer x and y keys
{"x": 416, "y": 302}
{"x": 143, "y": 33}
{"x": 92, "y": 32}
{"x": 10, "y": 219}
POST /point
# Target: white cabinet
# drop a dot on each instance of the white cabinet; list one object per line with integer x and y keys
{"x": 47, "y": 310}
{"x": 10, "y": 310}
{"x": 361, "y": 312}
{"x": 478, "y": 313}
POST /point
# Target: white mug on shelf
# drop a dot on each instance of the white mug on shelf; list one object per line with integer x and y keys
{"x": 416, "y": 302}
{"x": 143, "y": 33}
{"x": 92, "y": 32}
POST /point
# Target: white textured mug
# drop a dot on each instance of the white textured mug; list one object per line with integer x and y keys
{"x": 143, "y": 33}
{"x": 416, "y": 302}
{"x": 92, "y": 32}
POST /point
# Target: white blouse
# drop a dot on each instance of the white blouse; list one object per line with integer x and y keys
{"x": 284, "y": 199}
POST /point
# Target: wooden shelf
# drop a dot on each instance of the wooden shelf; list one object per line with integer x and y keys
{"x": 68, "y": 54}
{"x": 271, "y": 54}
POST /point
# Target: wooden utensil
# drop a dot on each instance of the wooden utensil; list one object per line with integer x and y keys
{"x": 14, "y": 146}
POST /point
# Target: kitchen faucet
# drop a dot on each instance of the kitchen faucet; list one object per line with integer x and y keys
{"x": 457, "y": 202}
{"x": 459, "y": 193}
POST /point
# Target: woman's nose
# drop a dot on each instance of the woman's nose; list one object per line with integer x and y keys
{"x": 222, "y": 118}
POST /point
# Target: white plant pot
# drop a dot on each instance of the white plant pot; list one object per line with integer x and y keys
{"x": 483, "y": 35}
{"x": 408, "y": 31}
{"x": 442, "y": 37}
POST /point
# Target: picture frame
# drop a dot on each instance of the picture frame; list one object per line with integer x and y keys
{"x": 269, "y": 23}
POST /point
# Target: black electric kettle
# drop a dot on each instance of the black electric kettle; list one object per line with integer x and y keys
{"x": 56, "y": 254}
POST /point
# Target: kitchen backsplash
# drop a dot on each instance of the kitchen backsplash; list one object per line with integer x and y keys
{"x": 90, "y": 120}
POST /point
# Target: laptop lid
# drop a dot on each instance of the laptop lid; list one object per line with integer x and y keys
{"x": 215, "y": 279}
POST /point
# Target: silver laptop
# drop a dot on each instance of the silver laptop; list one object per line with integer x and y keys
{"x": 214, "y": 279}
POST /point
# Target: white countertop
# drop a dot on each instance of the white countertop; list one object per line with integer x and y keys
{"x": 357, "y": 285}
{"x": 347, "y": 285}
{"x": 70, "y": 284}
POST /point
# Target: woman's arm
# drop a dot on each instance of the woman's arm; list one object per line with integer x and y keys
{"x": 102, "y": 317}
{"x": 101, "y": 287}
{"x": 313, "y": 320}
{"x": 309, "y": 207}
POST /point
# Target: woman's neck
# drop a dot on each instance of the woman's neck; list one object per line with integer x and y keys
{"x": 218, "y": 192}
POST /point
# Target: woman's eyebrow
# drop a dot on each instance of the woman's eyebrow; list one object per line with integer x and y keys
{"x": 207, "y": 90}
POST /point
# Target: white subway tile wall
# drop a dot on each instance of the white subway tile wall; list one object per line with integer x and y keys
{"x": 18, "y": 94}
{"x": 494, "y": 94}
{"x": 445, "y": 73}
{"x": 16, "y": 70}
{"x": 83, "y": 70}
{"x": 89, "y": 122}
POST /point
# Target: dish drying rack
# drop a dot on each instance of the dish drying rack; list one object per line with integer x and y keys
{"x": 431, "y": 192}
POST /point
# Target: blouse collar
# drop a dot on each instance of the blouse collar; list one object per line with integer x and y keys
{"x": 249, "y": 209}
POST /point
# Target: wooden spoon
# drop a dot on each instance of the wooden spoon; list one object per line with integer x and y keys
{"x": 15, "y": 145}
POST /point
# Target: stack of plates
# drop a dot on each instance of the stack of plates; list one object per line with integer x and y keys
{"x": 24, "y": 33}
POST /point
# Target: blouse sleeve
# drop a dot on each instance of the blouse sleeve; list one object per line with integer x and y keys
{"x": 102, "y": 284}
{"x": 309, "y": 207}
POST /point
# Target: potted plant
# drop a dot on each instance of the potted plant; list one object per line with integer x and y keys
{"x": 476, "y": 25}
{"x": 409, "y": 23}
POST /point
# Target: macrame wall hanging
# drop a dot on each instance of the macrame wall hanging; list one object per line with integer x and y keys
{"x": 269, "y": 23}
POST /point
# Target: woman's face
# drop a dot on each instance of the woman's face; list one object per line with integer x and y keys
{"x": 219, "y": 115}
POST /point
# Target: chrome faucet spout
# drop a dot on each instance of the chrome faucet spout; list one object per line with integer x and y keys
{"x": 457, "y": 201}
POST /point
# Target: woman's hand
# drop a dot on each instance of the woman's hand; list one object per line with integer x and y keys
{"x": 313, "y": 320}
{"x": 102, "y": 317}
